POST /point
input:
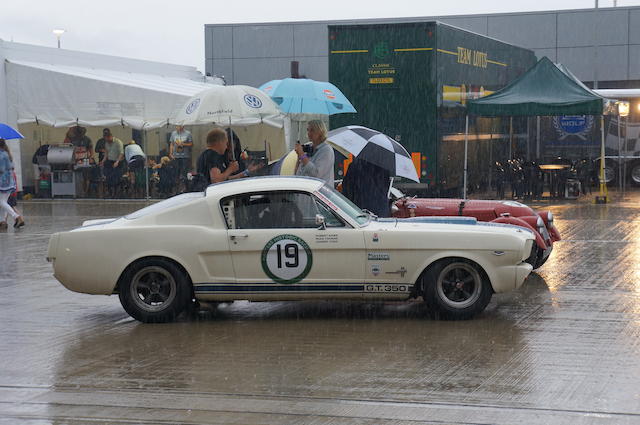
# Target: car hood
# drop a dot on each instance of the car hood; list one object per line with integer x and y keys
{"x": 454, "y": 223}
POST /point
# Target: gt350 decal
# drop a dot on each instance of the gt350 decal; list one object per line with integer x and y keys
{"x": 387, "y": 287}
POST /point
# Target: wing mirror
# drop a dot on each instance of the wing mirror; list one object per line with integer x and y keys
{"x": 320, "y": 223}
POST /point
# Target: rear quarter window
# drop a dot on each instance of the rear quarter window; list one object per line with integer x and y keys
{"x": 166, "y": 204}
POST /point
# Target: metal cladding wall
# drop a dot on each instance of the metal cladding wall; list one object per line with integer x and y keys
{"x": 255, "y": 53}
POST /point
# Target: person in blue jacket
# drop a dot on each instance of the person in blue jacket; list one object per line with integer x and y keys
{"x": 7, "y": 184}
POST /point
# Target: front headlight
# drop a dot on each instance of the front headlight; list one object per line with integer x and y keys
{"x": 542, "y": 229}
{"x": 547, "y": 217}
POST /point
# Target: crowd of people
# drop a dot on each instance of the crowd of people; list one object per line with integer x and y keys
{"x": 117, "y": 166}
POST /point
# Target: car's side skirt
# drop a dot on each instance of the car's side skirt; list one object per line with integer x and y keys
{"x": 273, "y": 291}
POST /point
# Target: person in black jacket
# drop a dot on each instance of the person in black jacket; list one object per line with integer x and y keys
{"x": 367, "y": 186}
{"x": 214, "y": 166}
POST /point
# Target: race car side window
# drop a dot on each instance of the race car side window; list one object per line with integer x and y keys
{"x": 275, "y": 210}
{"x": 330, "y": 219}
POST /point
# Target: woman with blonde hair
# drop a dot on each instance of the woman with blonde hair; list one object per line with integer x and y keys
{"x": 318, "y": 160}
{"x": 7, "y": 184}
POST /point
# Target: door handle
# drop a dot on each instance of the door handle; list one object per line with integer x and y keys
{"x": 238, "y": 236}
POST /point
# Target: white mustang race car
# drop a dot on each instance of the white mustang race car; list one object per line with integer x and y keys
{"x": 287, "y": 238}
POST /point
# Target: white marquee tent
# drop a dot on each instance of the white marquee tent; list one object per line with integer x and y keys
{"x": 58, "y": 88}
{"x": 62, "y": 95}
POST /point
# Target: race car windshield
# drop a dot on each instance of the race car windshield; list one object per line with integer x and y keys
{"x": 166, "y": 204}
{"x": 345, "y": 205}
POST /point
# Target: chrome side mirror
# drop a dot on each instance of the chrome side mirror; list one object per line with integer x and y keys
{"x": 320, "y": 223}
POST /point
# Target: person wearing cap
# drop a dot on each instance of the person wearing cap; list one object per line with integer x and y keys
{"x": 83, "y": 147}
{"x": 82, "y": 153}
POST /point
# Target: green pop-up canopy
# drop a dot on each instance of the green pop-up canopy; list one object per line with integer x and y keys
{"x": 543, "y": 90}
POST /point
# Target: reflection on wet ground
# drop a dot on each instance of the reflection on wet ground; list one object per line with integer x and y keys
{"x": 565, "y": 348}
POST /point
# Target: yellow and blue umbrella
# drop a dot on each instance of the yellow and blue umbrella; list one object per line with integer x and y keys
{"x": 306, "y": 96}
{"x": 7, "y": 132}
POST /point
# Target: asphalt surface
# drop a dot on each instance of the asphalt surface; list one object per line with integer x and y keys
{"x": 564, "y": 349}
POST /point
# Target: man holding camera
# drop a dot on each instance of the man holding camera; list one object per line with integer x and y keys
{"x": 318, "y": 159}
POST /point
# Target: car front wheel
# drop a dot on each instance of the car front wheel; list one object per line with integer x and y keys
{"x": 456, "y": 289}
{"x": 154, "y": 290}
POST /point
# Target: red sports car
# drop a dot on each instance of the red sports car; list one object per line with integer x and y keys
{"x": 505, "y": 212}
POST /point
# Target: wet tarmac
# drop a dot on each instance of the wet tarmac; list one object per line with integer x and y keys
{"x": 564, "y": 349}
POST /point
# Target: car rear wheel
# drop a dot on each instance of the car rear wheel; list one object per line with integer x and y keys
{"x": 456, "y": 289}
{"x": 154, "y": 290}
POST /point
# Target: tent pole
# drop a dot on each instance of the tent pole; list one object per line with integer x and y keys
{"x": 528, "y": 138}
{"x": 619, "y": 157}
{"x": 624, "y": 169}
{"x": 538, "y": 137}
{"x": 510, "y": 137}
{"x": 491, "y": 152}
{"x": 602, "y": 198}
{"x": 146, "y": 164}
{"x": 466, "y": 143}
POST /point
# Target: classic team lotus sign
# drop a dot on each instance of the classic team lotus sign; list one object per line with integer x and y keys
{"x": 286, "y": 259}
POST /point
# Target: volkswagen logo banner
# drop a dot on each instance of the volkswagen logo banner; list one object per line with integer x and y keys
{"x": 252, "y": 101}
{"x": 192, "y": 106}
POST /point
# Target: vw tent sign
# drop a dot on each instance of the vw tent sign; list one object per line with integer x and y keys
{"x": 192, "y": 106}
{"x": 252, "y": 101}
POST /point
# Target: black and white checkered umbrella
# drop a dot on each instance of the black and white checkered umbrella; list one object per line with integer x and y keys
{"x": 374, "y": 147}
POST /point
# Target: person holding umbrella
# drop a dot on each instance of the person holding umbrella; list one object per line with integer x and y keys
{"x": 367, "y": 186}
{"x": 7, "y": 184}
{"x": 318, "y": 159}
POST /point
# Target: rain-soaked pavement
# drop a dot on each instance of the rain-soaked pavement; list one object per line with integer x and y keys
{"x": 564, "y": 349}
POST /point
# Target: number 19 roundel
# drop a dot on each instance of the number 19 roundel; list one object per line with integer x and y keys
{"x": 286, "y": 259}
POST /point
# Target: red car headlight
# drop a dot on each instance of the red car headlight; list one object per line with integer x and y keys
{"x": 547, "y": 217}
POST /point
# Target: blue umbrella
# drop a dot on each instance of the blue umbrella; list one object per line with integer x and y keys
{"x": 305, "y": 96}
{"x": 7, "y": 132}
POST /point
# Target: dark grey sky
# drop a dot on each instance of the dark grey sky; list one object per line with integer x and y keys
{"x": 153, "y": 30}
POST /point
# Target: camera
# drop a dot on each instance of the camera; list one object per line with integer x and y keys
{"x": 308, "y": 148}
